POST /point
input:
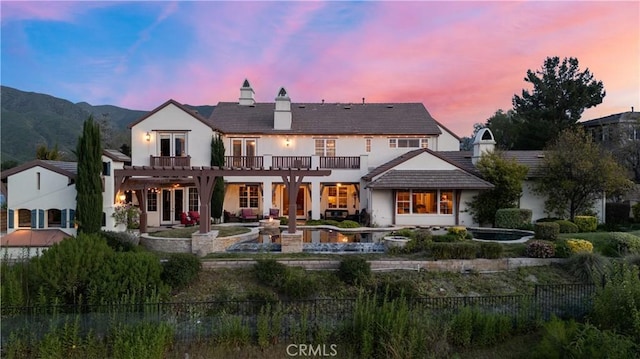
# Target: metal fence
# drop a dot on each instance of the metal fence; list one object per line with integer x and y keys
{"x": 200, "y": 319}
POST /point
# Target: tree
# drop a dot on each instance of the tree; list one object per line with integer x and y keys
{"x": 577, "y": 172}
{"x": 217, "y": 159}
{"x": 560, "y": 95}
{"x": 507, "y": 176}
{"x": 466, "y": 143}
{"x": 88, "y": 180}
{"x": 505, "y": 127}
{"x": 43, "y": 153}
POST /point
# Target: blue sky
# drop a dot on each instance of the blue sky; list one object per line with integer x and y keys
{"x": 463, "y": 60}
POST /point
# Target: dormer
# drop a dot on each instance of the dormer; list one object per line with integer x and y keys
{"x": 482, "y": 143}
{"x": 282, "y": 112}
{"x": 247, "y": 94}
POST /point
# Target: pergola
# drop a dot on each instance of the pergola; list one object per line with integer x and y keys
{"x": 141, "y": 178}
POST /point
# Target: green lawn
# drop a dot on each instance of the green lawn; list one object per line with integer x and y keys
{"x": 186, "y": 232}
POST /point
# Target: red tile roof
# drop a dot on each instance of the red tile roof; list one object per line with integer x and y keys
{"x": 33, "y": 238}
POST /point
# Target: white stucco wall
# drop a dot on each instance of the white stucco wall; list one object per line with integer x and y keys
{"x": 447, "y": 141}
{"x": 108, "y": 196}
{"x": 54, "y": 192}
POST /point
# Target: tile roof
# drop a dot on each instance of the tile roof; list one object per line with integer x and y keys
{"x": 615, "y": 118}
{"x": 327, "y": 119}
{"x": 429, "y": 179}
{"x": 116, "y": 155}
{"x": 69, "y": 169}
{"x": 33, "y": 238}
{"x": 531, "y": 159}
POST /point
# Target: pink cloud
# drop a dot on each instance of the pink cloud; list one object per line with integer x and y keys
{"x": 53, "y": 10}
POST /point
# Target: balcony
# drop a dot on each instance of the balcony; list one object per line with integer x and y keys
{"x": 340, "y": 162}
{"x": 170, "y": 161}
{"x": 243, "y": 161}
{"x": 291, "y": 162}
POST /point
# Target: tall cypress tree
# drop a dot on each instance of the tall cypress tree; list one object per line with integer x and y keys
{"x": 217, "y": 159}
{"x": 88, "y": 180}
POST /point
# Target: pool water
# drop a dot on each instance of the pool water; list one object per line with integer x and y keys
{"x": 499, "y": 235}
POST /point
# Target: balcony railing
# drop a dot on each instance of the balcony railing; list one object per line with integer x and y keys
{"x": 291, "y": 162}
{"x": 170, "y": 161}
{"x": 338, "y": 162}
{"x": 243, "y": 161}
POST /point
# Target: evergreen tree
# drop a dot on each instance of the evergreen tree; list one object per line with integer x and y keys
{"x": 507, "y": 176}
{"x": 88, "y": 180}
{"x": 217, "y": 159}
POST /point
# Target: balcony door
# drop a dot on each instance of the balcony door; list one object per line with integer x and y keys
{"x": 172, "y": 144}
{"x": 172, "y": 205}
{"x": 300, "y": 202}
{"x": 243, "y": 151}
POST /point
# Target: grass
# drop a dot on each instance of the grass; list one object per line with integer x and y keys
{"x": 598, "y": 239}
{"x": 186, "y": 232}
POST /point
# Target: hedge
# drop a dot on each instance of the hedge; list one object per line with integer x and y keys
{"x": 547, "y": 230}
{"x": 513, "y": 218}
{"x": 567, "y": 226}
{"x": 586, "y": 223}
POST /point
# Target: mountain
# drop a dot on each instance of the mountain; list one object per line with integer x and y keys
{"x": 30, "y": 119}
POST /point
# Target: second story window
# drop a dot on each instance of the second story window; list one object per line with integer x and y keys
{"x": 408, "y": 142}
{"x": 173, "y": 144}
{"x": 367, "y": 145}
{"x": 325, "y": 147}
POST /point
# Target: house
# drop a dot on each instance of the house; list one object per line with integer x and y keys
{"x": 41, "y": 202}
{"x": 613, "y": 129}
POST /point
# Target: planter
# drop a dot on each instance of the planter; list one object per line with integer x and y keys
{"x": 396, "y": 241}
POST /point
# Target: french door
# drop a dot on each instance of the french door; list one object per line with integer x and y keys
{"x": 172, "y": 205}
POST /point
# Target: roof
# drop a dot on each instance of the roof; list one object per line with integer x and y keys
{"x": 327, "y": 119}
{"x": 116, "y": 155}
{"x": 33, "y": 238}
{"x": 531, "y": 159}
{"x": 192, "y": 113}
{"x": 69, "y": 169}
{"x": 615, "y": 118}
{"x": 429, "y": 179}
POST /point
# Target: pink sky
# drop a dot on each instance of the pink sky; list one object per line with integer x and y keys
{"x": 463, "y": 60}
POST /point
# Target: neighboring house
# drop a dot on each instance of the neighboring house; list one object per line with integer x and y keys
{"x": 41, "y": 199}
{"x": 613, "y": 129}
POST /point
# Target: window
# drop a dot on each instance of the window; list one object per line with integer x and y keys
{"x": 424, "y": 202}
{"x": 409, "y": 142}
{"x": 248, "y": 196}
{"x": 24, "y": 218}
{"x": 38, "y": 180}
{"x": 337, "y": 197}
{"x": 106, "y": 168}
{"x": 325, "y": 147}
{"x": 173, "y": 144}
{"x": 152, "y": 201}
{"x": 193, "y": 199}
{"x": 246, "y": 147}
{"x": 54, "y": 218}
{"x": 367, "y": 145}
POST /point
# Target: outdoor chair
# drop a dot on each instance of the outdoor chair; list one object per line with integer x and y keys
{"x": 247, "y": 215}
{"x": 274, "y": 212}
{"x": 195, "y": 216}
{"x": 186, "y": 220}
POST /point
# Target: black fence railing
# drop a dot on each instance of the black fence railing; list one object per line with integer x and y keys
{"x": 200, "y": 319}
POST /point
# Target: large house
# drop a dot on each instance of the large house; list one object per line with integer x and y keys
{"x": 392, "y": 161}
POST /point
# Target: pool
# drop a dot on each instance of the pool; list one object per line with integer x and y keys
{"x": 500, "y": 234}
{"x": 317, "y": 241}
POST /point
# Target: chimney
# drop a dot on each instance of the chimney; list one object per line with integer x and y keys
{"x": 482, "y": 143}
{"x": 282, "y": 113}
{"x": 246, "y": 94}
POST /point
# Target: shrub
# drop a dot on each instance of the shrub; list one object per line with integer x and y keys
{"x": 635, "y": 209}
{"x": 354, "y": 270}
{"x": 567, "y": 226}
{"x": 348, "y": 224}
{"x": 546, "y": 230}
{"x": 458, "y": 231}
{"x": 579, "y": 245}
{"x": 446, "y": 238}
{"x": 270, "y": 272}
{"x": 420, "y": 242}
{"x": 391, "y": 289}
{"x": 298, "y": 284}
{"x": 454, "y": 250}
{"x": 181, "y": 269}
{"x": 120, "y": 241}
{"x": 513, "y": 217}
{"x": 620, "y": 244}
{"x": 617, "y": 212}
{"x": 586, "y": 223}
{"x": 562, "y": 248}
{"x": 540, "y": 249}
{"x": 491, "y": 250}
{"x": 405, "y": 232}
{"x": 587, "y": 267}
{"x": 547, "y": 219}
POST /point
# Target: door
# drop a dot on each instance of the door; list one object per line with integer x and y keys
{"x": 300, "y": 202}
{"x": 172, "y": 205}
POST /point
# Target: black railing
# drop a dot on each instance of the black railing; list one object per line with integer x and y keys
{"x": 291, "y": 162}
{"x": 243, "y": 161}
{"x": 196, "y": 320}
{"x": 340, "y": 162}
{"x": 170, "y": 161}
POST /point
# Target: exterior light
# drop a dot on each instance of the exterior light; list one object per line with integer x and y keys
{"x": 147, "y": 136}
{"x": 122, "y": 197}
{"x": 287, "y": 142}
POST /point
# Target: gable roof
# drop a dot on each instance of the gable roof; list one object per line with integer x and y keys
{"x": 192, "y": 113}
{"x": 69, "y": 169}
{"x": 429, "y": 179}
{"x": 630, "y": 116}
{"x": 532, "y": 159}
{"x": 327, "y": 119}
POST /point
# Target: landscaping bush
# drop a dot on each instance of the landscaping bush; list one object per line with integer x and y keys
{"x": 567, "y": 226}
{"x": 181, "y": 269}
{"x": 546, "y": 230}
{"x": 298, "y": 284}
{"x": 491, "y": 250}
{"x": 354, "y": 270}
{"x": 548, "y": 219}
{"x": 540, "y": 249}
{"x": 513, "y": 218}
{"x": 562, "y": 248}
{"x": 270, "y": 272}
{"x": 620, "y": 244}
{"x": 579, "y": 245}
{"x": 458, "y": 231}
{"x": 454, "y": 250}
{"x": 120, "y": 241}
{"x": 348, "y": 224}
{"x": 635, "y": 209}
{"x": 405, "y": 232}
{"x": 587, "y": 267}
{"x": 391, "y": 289}
{"x": 586, "y": 223}
{"x": 418, "y": 244}
{"x": 446, "y": 238}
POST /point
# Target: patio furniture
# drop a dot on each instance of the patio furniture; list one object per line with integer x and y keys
{"x": 246, "y": 214}
{"x": 195, "y": 216}
{"x": 186, "y": 220}
{"x": 336, "y": 214}
{"x": 274, "y": 212}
